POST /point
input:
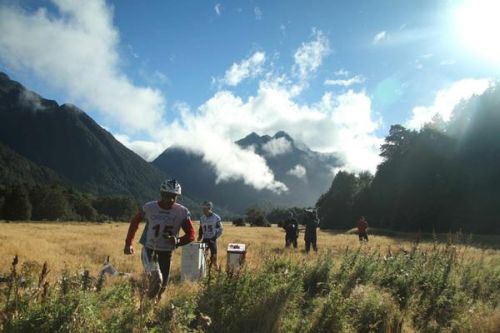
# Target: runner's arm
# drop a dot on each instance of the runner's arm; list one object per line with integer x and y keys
{"x": 134, "y": 225}
{"x": 189, "y": 234}
{"x": 218, "y": 229}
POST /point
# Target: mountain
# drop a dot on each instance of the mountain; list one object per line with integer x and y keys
{"x": 14, "y": 168}
{"x": 66, "y": 140}
{"x": 306, "y": 173}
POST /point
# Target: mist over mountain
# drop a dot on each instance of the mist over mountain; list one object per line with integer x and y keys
{"x": 307, "y": 174}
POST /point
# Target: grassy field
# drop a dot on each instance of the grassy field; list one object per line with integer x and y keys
{"x": 78, "y": 246}
{"x": 448, "y": 276}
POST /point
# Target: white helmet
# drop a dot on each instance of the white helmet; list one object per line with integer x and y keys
{"x": 171, "y": 186}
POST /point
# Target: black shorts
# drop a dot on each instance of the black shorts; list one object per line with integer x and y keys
{"x": 211, "y": 244}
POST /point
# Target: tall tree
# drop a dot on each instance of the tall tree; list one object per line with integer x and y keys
{"x": 17, "y": 205}
{"x": 335, "y": 208}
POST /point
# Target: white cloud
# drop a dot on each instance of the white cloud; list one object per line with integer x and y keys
{"x": 446, "y": 100}
{"x": 403, "y": 36}
{"x": 342, "y": 72}
{"x": 148, "y": 150}
{"x": 283, "y": 29}
{"x": 76, "y": 50}
{"x": 379, "y": 37}
{"x": 420, "y": 61}
{"x": 247, "y": 68}
{"x": 132, "y": 52}
{"x": 258, "y": 13}
{"x": 160, "y": 77}
{"x": 218, "y": 9}
{"x": 344, "y": 122}
{"x": 309, "y": 56}
{"x": 298, "y": 171}
{"x": 448, "y": 62}
{"x": 31, "y": 100}
{"x": 277, "y": 147}
{"x": 347, "y": 82}
{"x": 212, "y": 131}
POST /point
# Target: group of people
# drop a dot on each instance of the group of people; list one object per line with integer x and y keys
{"x": 291, "y": 226}
{"x": 310, "y": 220}
{"x": 165, "y": 218}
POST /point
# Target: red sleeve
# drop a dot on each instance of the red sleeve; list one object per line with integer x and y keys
{"x": 188, "y": 228}
{"x": 134, "y": 225}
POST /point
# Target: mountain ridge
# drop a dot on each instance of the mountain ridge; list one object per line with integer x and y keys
{"x": 312, "y": 178}
{"x": 63, "y": 138}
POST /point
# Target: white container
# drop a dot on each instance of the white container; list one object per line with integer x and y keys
{"x": 236, "y": 253}
{"x": 193, "y": 264}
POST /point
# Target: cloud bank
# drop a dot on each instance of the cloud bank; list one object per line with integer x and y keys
{"x": 446, "y": 100}
{"x": 247, "y": 68}
{"x": 277, "y": 147}
{"x": 76, "y": 50}
{"x": 310, "y": 55}
{"x": 346, "y": 82}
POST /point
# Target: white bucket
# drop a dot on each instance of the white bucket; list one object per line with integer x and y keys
{"x": 236, "y": 253}
{"x": 193, "y": 264}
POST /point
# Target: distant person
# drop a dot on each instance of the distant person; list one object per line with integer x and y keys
{"x": 362, "y": 226}
{"x": 311, "y": 222}
{"x": 418, "y": 236}
{"x": 210, "y": 230}
{"x": 291, "y": 227}
{"x": 164, "y": 218}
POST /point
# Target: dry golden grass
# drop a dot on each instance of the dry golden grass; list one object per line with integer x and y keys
{"x": 78, "y": 246}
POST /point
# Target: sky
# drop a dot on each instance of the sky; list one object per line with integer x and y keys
{"x": 335, "y": 75}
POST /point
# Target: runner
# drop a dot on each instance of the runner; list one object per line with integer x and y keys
{"x": 210, "y": 230}
{"x": 164, "y": 218}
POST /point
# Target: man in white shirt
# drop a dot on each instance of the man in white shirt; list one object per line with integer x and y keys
{"x": 210, "y": 230}
{"x": 164, "y": 219}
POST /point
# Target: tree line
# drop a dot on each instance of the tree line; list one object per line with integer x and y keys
{"x": 443, "y": 177}
{"x": 56, "y": 202}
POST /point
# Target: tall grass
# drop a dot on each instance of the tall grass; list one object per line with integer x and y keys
{"x": 431, "y": 289}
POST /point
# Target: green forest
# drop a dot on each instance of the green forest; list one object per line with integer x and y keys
{"x": 443, "y": 177}
{"x": 56, "y": 202}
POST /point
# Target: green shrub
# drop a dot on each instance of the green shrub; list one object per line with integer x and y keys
{"x": 374, "y": 310}
{"x": 429, "y": 291}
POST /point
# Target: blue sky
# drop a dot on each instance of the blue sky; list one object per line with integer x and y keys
{"x": 202, "y": 74}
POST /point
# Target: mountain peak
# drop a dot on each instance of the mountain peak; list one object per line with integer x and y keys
{"x": 255, "y": 139}
{"x": 72, "y": 108}
{"x": 282, "y": 134}
{"x": 4, "y": 76}
{"x": 251, "y": 139}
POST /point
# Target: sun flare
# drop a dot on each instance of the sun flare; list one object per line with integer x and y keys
{"x": 478, "y": 27}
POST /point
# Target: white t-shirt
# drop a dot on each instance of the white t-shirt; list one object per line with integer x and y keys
{"x": 161, "y": 224}
{"x": 211, "y": 226}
